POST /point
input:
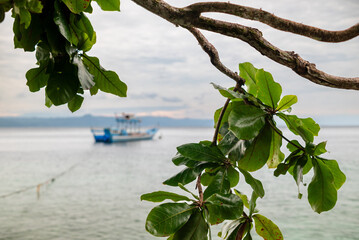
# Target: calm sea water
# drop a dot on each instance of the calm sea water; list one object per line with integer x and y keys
{"x": 96, "y": 193}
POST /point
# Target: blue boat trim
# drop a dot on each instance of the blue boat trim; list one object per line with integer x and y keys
{"x": 128, "y": 129}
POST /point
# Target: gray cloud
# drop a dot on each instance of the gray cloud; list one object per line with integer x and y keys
{"x": 166, "y": 70}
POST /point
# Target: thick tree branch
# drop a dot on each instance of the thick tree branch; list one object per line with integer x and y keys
{"x": 214, "y": 57}
{"x": 188, "y": 18}
{"x": 276, "y": 22}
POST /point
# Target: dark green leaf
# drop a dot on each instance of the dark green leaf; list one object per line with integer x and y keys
{"x": 27, "y": 38}
{"x": 85, "y": 78}
{"x": 254, "y": 183}
{"x": 266, "y": 228}
{"x": 268, "y": 91}
{"x": 322, "y": 194}
{"x": 34, "y": 6}
{"x": 258, "y": 152}
{"x": 246, "y": 121}
{"x": 227, "y": 143}
{"x": 238, "y": 151}
{"x": 48, "y": 102}
{"x": 196, "y": 228}
{"x": 306, "y": 128}
{"x": 160, "y": 196}
{"x": 82, "y": 34}
{"x": 62, "y": 86}
{"x": 225, "y": 115}
{"x": 219, "y": 184}
{"x": 168, "y": 218}
{"x": 77, "y": 6}
{"x": 106, "y": 81}
{"x": 75, "y": 103}
{"x": 179, "y": 160}
{"x": 286, "y": 102}
{"x": 224, "y": 207}
{"x": 233, "y": 176}
{"x": 187, "y": 175}
{"x": 248, "y": 72}
{"x": 109, "y": 5}
{"x": 62, "y": 21}
{"x": 37, "y": 78}
{"x": 292, "y": 145}
{"x": 275, "y": 155}
{"x": 298, "y": 169}
{"x": 200, "y": 152}
{"x": 185, "y": 189}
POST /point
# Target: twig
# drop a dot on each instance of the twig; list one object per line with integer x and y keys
{"x": 280, "y": 134}
{"x": 215, "y": 136}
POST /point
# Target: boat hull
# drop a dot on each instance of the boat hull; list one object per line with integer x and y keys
{"x": 109, "y": 136}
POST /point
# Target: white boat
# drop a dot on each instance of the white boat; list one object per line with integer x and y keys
{"x": 128, "y": 129}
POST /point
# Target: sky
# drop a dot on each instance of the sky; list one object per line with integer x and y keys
{"x": 168, "y": 74}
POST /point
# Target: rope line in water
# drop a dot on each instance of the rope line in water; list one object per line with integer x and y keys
{"x": 38, "y": 186}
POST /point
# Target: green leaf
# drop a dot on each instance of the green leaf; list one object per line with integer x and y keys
{"x": 34, "y": 6}
{"x": 233, "y": 176}
{"x": 196, "y": 228}
{"x": 77, "y": 6}
{"x": 266, "y": 228}
{"x": 106, "y": 81}
{"x": 253, "y": 203}
{"x": 292, "y": 145}
{"x": 320, "y": 149}
{"x": 254, "y": 183}
{"x": 109, "y": 5}
{"x": 62, "y": 21}
{"x": 246, "y": 121}
{"x": 62, "y": 86}
{"x": 248, "y": 72}
{"x": 238, "y": 151}
{"x": 243, "y": 197}
{"x": 48, "y": 102}
{"x": 227, "y": 144}
{"x": 322, "y": 194}
{"x": 275, "y": 156}
{"x": 338, "y": 175}
{"x": 227, "y": 93}
{"x": 268, "y": 91}
{"x": 160, "y": 196}
{"x": 168, "y": 218}
{"x": 225, "y": 115}
{"x": 75, "y": 103}
{"x": 200, "y": 152}
{"x": 27, "y": 38}
{"x": 36, "y": 78}
{"x": 224, "y": 207}
{"x": 187, "y": 175}
{"x": 185, "y": 189}
{"x": 307, "y": 128}
{"x": 219, "y": 184}
{"x": 82, "y": 34}
{"x": 286, "y": 102}
{"x": 257, "y": 154}
{"x": 85, "y": 78}
{"x": 179, "y": 160}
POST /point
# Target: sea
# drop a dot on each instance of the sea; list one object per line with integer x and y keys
{"x": 57, "y": 183}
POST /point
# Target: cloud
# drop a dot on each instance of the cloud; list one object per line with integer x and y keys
{"x": 168, "y": 73}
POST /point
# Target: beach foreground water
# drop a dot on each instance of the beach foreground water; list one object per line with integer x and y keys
{"x": 97, "y": 195}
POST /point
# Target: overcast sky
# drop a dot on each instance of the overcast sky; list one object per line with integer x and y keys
{"x": 168, "y": 74}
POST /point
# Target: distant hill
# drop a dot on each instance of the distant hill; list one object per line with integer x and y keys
{"x": 97, "y": 121}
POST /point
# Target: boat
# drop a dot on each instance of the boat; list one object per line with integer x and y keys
{"x": 128, "y": 129}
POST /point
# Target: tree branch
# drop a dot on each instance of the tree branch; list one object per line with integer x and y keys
{"x": 276, "y": 22}
{"x": 214, "y": 57}
{"x": 188, "y": 18}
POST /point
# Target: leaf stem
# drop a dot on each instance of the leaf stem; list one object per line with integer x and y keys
{"x": 280, "y": 134}
{"x": 200, "y": 191}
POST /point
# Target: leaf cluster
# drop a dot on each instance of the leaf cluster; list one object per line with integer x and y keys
{"x": 246, "y": 139}
{"x": 60, "y": 33}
